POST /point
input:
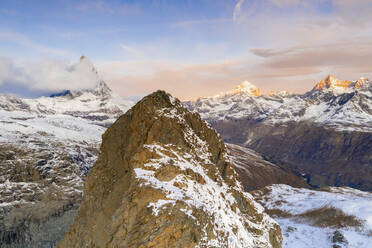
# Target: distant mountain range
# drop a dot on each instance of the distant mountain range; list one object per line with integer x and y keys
{"x": 324, "y": 135}
{"x": 341, "y": 105}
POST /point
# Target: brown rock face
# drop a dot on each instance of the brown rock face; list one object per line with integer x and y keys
{"x": 325, "y": 156}
{"x": 255, "y": 172}
{"x": 163, "y": 180}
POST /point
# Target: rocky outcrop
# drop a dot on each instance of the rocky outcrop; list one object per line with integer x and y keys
{"x": 40, "y": 191}
{"x": 163, "y": 179}
{"x": 256, "y": 172}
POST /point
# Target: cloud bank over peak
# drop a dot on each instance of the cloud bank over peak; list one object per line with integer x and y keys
{"x": 46, "y": 76}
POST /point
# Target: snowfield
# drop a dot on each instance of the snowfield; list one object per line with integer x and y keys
{"x": 299, "y": 215}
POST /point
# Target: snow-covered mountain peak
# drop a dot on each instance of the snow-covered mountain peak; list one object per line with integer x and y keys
{"x": 334, "y": 84}
{"x": 243, "y": 88}
{"x": 337, "y": 87}
{"x": 102, "y": 89}
{"x": 360, "y": 82}
{"x": 345, "y": 105}
{"x": 98, "y": 88}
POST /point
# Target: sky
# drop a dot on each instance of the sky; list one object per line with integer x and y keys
{"x": 189, "y": 48}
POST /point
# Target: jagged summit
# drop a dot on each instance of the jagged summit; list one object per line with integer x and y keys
{"x": 360, "y": 82}
{"x": 102, "y": 90}
{"x": 330, "y": 82}
{"x": 339, "y": 86}
{"x": 163, "y": 179}
{"x": 245, "y": 87}
{"x": 85, "y": 65}
{"x": 97, "y": 86}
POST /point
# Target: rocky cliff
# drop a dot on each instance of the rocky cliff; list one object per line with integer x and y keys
{"x": 163, "y": 179}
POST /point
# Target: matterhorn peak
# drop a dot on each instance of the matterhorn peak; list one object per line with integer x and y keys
{"x": 102, "y": 90}
{"x": 87, "y": 81}
{"x": 86, "y": 64}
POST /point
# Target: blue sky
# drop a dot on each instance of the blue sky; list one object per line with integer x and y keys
{"x": 98, "y": 28}
{"x": 190, "y": 48}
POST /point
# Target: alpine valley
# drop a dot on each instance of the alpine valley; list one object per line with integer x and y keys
{"x": 324, "y": 135}
{"x": 295, "y": 171}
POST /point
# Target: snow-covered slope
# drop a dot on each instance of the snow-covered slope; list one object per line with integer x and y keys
{"x": 59, "y": 123}
{"x": 47, "y": 146}
{"x": 320, "y": 218}
{"x": 74, "y": 115}
{"x": 343, "y": 105}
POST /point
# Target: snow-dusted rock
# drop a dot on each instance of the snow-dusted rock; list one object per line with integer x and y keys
{"x": 163, "y": 179}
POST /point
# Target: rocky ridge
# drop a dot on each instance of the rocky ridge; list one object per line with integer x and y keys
{"x": 163, "y": 179}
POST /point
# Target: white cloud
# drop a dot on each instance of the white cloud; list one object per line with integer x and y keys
{"x": 237, "y": 10}
{"x": 9, "y": 72}
{"x": 48, "y": 75}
